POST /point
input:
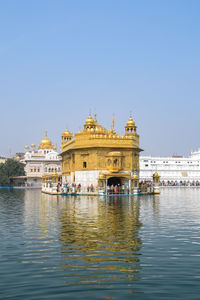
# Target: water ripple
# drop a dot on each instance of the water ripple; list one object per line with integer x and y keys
{"x": 99, "y": 248}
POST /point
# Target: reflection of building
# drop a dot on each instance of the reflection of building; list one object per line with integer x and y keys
{"x": 101, "y": 235}
{"x": 39, "y": 162}
{"x": 176, "y": 168}
{"x": 100, "y": 158}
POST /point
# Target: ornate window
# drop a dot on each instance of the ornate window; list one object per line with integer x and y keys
{"x": 115, "y": 162}
{"x": 109, "y": 162}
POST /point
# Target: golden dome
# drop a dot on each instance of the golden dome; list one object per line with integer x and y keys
{"x": 26, "y": 147}
{"x": 46, "y": 143}
{"x": 155, "y": 174}
{"x": 67, "y": 133}
{"x": 89, "y": 121}
{"x": 130, "y": 122}
{"x": 32, "y": 145}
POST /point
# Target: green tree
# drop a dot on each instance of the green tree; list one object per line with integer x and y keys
{"x": 9, "y": 169}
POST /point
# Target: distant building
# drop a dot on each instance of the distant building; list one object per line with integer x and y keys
{"x": 39, "y": 162}
{"x": 174, "y": 169}
{"x": 2, "y": 159}
{"x": 19, "y": 156}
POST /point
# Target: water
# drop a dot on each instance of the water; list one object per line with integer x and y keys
{"x": 56, "y": 247}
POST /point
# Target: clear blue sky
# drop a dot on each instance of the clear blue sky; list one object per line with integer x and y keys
{"x": 61, "y": 59}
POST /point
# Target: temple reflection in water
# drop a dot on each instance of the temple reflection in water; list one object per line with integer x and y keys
{"x": 101, "y": 237}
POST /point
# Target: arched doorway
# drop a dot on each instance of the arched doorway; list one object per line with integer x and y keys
{"x": 115, "y": 185}
{"x": 118, "y": 185}
{"x": 114, "y": 181}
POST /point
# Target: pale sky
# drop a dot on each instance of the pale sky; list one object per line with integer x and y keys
{"x": 61, "y": 59}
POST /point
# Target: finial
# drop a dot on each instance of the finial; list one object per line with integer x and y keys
{"x": 130, "y": 113}
{"x": 113, "y": 123}
{"x": 95, "y": 117}
{"x": 45, "y": 132}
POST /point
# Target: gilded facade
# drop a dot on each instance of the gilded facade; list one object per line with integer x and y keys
{"x": 98, "y": 158}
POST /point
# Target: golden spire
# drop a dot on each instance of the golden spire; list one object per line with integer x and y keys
{"x": 95, "y": 118}
{"x": 113, "y": 123}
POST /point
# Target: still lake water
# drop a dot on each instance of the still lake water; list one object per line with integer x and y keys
{"x": 58, "y": 247}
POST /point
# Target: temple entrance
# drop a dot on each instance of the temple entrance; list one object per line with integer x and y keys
{"x": 117, "y": 185}
{"x": 114, "y": 181}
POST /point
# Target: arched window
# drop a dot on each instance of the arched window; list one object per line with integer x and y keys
{"x": 84, "y": 164}
{"x": 115, "y": 162}
{"x": 109, "y": 162}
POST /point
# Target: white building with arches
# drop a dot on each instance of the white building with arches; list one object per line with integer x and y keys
{"x": 173, "y": 170}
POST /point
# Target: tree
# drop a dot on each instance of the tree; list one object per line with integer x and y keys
{"x": 9, "y": 169}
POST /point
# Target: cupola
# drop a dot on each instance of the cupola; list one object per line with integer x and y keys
{"x": 89, "y": 123}
{"x": 130, "y": 127}
{"x": 66, "y": 136}
{"x": 46, "y": 143}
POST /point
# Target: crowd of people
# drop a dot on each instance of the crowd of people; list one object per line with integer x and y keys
{"x": 180, "y": 183}
{"x": 144, "y": 186}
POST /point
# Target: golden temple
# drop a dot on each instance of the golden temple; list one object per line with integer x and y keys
{"x": 99, "y": 159}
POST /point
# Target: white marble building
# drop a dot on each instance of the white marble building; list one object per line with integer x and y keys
{"x": 177, "y": 169}
{"x": 39, "y": 162}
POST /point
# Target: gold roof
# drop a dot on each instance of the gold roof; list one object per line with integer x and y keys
{"x": 89, "y": 120}
{"x": 67, "y": 133}
{"x": 46, "y": 143}
{"x": 130, "y": 122}
{"x": 26, "y": 147}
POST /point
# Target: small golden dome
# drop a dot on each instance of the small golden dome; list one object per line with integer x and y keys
{"x": 155, "y": 174}
{"x": 67, "y": 133}
{"x": 33, "y": 145}
{"x": 130, "y": 122}
{"x": 46, "y": 143}
{"x": 89, "y": 121}
{"x": 26, "y": 147}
